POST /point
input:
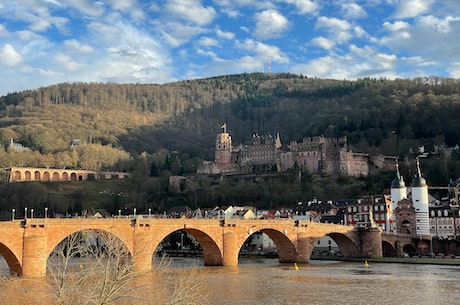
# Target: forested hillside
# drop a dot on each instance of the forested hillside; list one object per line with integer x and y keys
{"x": 115, "y": 123}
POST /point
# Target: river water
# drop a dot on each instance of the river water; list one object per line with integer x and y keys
{"x": 264, "y": 281}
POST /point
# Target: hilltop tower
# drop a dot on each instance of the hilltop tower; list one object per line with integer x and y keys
{"x": 223, "y": 147}
{"x": 398, "y": 192}
{"x": 420, "y": 203}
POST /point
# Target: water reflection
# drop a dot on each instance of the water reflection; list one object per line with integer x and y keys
{"x": 265, "y": 281}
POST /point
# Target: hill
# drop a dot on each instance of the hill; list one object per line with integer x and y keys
{"x": 184, "y": 116}
{"x": 160, "y": 130}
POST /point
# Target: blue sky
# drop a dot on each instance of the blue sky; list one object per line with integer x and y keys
{"x": 44, "y": 42}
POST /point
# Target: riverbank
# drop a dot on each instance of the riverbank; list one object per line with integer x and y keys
{"x": 399, "y": 260}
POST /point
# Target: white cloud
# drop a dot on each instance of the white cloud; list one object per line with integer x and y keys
{"x": 428, "y": 37}
{"x": 67, "y": 62}
{"x": 3, "y": 31}
{"x": 209, "y": 54}
{"x": 191, "y": 11}
{"x": 35, "y": 13}
{"x": 225, "y": 35}
{"x": 396, "y": 26}
{"x": 177, "y": 34}
{"x": 438, "y": 24}
{"x": 454, "y": 70}
{"x": 208, "y": 42}
{"x": 9, "y": 56}
{"x": 304, "y": 6}
{"x": 270, "y": 24}
{"x": 352, "y": 11}
{"x": 359, "y": 31}
{"x": 75, "y": 45}
{"x": 130, "y": 6}
{"x": 323, "y": 42}
{"x": 358, "y": 62}
{"x": 412, "y": 8}
{"x": 332, "y": 23}
{"x": 263, "y": 51}
{"x": 417, "y": 61}
{"x": 87, "y": 7}
{"x": 244, "y": 4}
{"x": 338, "y": 31}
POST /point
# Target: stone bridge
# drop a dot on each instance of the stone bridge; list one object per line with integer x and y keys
{"x": 26, "y": 244}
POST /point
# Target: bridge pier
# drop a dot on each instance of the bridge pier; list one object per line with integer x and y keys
{"x": 142, "y": 257}
{"x": 230, "y": 249}
{"x": 34, "y": 253}
{"x": 370, "y": 243}
{"x": 304, "y": 248}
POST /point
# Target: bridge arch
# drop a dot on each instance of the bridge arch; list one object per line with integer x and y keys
{"x": 11, "y": 259}
{"x": 410, "y": 249}
{"x": 287, "y": 252}
{"x": 212, "y": 255}
{"x": 95, "y": 237}
{"x": 388, "y": 249}
{"x": 57, "y": 237}
{"x": 347, "y": 246}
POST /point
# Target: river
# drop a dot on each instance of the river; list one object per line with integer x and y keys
{"x": 265, "y": 281}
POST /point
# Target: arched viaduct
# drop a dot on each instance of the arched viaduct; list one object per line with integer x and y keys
{"x": 22, "y": 174}
{"x": 26, "y": 244}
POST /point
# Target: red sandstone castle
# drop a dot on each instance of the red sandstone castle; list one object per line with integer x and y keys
{"x": 314, "y": 155}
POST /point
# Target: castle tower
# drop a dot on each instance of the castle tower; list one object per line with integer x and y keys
{"x": 223, "y": 147}
{"x": 398, "y": 192}
{"x": 420, "y": 203}
{"x": 277, "y": 141}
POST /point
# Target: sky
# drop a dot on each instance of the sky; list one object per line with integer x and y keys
{"x": 45, "y": 42}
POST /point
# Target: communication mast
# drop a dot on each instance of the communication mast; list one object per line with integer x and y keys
{"x": 268, "y": 67}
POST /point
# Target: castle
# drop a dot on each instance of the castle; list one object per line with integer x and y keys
{"x": 266, "y": 154}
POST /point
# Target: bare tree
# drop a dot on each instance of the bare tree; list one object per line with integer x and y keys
{"x": 95, "y": 268}
{"x": 92, "y": 268}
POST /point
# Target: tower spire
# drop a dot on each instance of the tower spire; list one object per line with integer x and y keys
{"x": 419, "y": 172}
